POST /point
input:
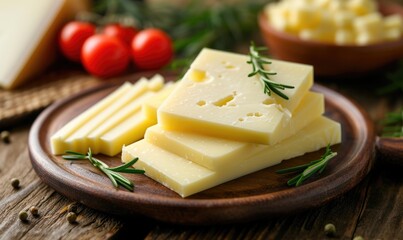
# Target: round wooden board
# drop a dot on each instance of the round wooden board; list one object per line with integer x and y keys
{"x": 257, "y": 195}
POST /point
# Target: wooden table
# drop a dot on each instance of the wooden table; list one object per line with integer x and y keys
{"x": 373, "y": 209}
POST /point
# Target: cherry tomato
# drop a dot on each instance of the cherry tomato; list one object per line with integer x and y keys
{"x": 72, "y": 38}
{"x": 105, "y": 56}
{"x": 151, "y": 49}
{"x": 126, "y": 34}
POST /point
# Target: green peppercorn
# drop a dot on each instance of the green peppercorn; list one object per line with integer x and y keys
{"x": 330, "y": 230}
{"x": 15, "y": 182}
{"x": 358, "y": 238}
{"x": 5, "y": 136}
{"x": 71, "y": 217}
{"x": 34, "y": 211}
{"x": 72, "y": 208}
{"x": 23, "y": 215}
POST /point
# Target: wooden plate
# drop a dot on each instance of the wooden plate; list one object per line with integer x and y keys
{"x": 261, "y": 194}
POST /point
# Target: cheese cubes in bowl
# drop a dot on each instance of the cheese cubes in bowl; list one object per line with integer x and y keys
{"x": 347, "y": 22}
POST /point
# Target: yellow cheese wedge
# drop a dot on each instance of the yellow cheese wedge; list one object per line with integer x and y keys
{"x": 151, "y": 106}
{"x": 186, "y": 177}
{"x": 217, "y": 97}
{"x": 127, "y": 132}
{"x": 58, "y": 145}
{"x": 28, "y": 36}
{"x": 217, "y": 153}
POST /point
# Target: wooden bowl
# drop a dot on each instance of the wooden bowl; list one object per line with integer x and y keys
{"x": 330, "y": 59}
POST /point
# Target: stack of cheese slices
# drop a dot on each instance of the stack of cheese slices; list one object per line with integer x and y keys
{"x": 218, "y": 124}
{"x": 118, "y": 119}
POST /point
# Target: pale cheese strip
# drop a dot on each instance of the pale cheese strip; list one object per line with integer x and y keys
{"x": 127, "y": 111}
{"x": 78, "y": 140}
{"x": 127, "y": 132}
{"x": 216, "y": 97}
{"x": 217, "y": 153}
{"x": 58, "y": 145}
{"x": 186, "y": 177}
{"x": 151, "y": 106}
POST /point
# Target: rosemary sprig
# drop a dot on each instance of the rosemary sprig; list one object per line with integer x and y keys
{"x": 258, "y": 61}
{"x": 309, "y": 169}
{"x": 110, "y": 172}
{"x": 393, "y": 124}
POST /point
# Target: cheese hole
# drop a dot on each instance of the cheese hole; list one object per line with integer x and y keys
{"x": 198, "y": 75}
{"x": 241, "y": 119}
{"x": 224, "y": 101}
{"x": 228, "y": 65}
{"x": 268, "y": 101}
{"x": 201, "y": 103}
{"x": 256, "y": 114}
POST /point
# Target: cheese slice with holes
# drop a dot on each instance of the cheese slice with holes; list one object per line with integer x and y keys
{"x": 217, "y": 153}
{"x": 186, "y": 177}
{"x": 217, "y": 98}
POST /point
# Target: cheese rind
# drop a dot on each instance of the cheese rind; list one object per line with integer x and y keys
{"x": 217, "y": 153}
{"x": 186, "y": 177}
{"x": 216, "y": 97}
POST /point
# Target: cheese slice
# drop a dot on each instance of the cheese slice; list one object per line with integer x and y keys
{"x": 151, "y": 106}
{"x": 85, "y": 130}
{"x": 58, "y": 144}
{"x": 127, "y": 111}
{"x": 130, "y": 130}
{"x": 217, "y": 97}
{"x": 28, "y": 36}
{"x": 78, "y": 140}
{"x": 217, "y": 153}
{"x": 186, "y": 177}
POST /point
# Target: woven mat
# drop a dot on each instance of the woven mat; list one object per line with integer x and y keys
{"x": 16, "y": 105}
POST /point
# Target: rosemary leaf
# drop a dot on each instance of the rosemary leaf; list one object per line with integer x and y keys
{"x": 116, "y": 178}
{"x": 124, "y": 166}
{"x": 258, "y": 61}
{"x": 309, "y": 169}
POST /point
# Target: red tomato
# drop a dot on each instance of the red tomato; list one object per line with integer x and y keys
{"x": 126, "y": 34}
{"x": 105, "y": 56}
{"x": 72, "y": 38}
{"x": 151, "y": 49}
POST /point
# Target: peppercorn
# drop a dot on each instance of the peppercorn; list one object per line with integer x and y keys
{"x": 34, "y": 211}
{"x": 330, "y": 230}
{"x": 23, "y": 215}
{"x": 72, "y": 208}
{"x": 15, "y": 182}
{"x": 358, "y": 238}
{"x": 71, "y": 217}
{"x": 5, "y": 136}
